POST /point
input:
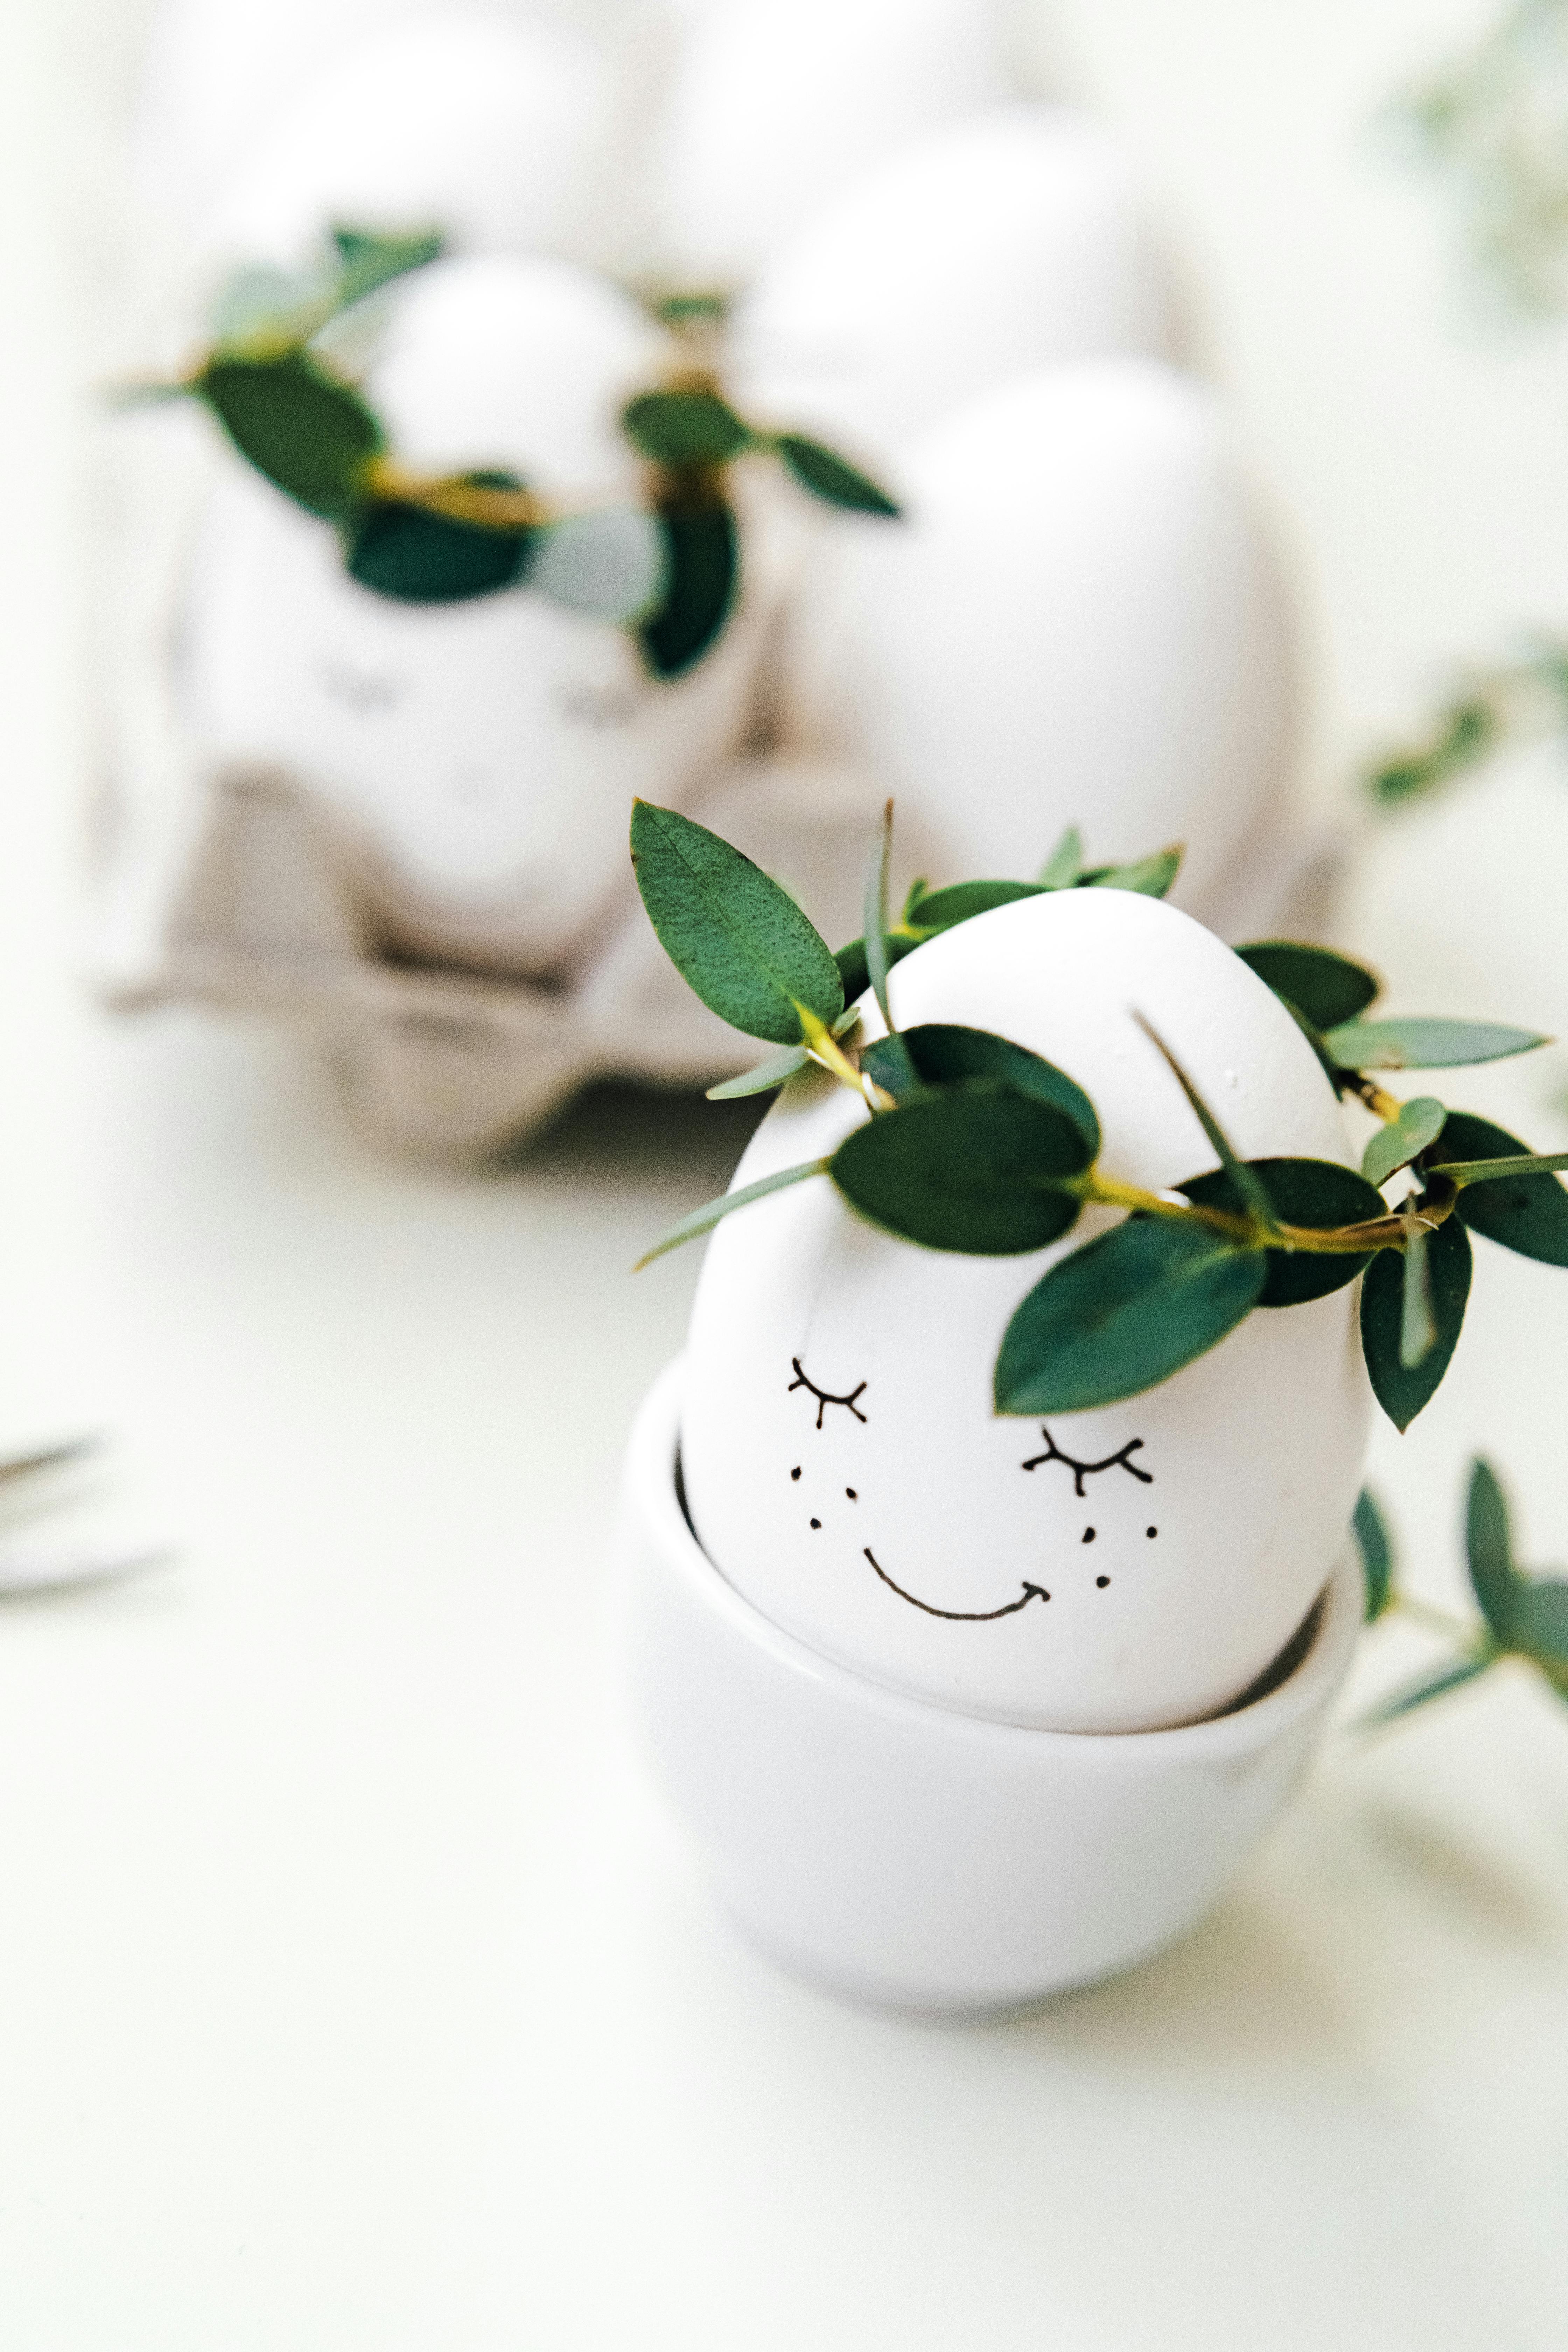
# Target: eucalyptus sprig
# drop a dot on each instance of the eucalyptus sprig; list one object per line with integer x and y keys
{"x": 668, "y": 571}
{"x": 1522, "y": 1615}
{"x": 974, "y": 1143}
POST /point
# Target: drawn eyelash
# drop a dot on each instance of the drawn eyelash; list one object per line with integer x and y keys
{"x": 1082, "y": 1470}
{"x": 824, "y": 1400}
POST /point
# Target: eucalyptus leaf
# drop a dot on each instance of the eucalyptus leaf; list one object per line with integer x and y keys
{"x": 419, "y": 558}
{"x": 1376, "y": 1551}
{"x": 1317, "y": 1194}
{"x": 1402, "y": 1390}
{"x": 969, "y": 1168}
{"x": 776, "y": 1070}
{"x": 1065, "y": 864}
{"x": 1417, "y": 1316}
{"x": 1465, "y": 736}
{"x": 1329, "y": 989}
{"x": 702, "y": 569}
{"x": 1123, "y": 1313}
{"x": 1541, "y": 1627}
{"x": 887, "y": 1062}
{"x": 368, "y": 260}
{"x": 854, "y": 969}
{"x": 943, "y": 1054}
{"x": 1488, "y": 1553}
{"x": 1249, "y": 1185}
{"x": 874, "y": 915}
{"x": 1150, "y": 876}
{"x": 703, "y": 1220}
{"x": 266, "y": 311}
{"x": 738, "y": 941}
{"x": 1425, "y": 1045}
{"x": 1422, "y": 1691}
{"x": 960, "y": 901}
{"x": 1402, "y": 1140}
{"x": 828, "y": 476}
{"x": 309, "y": 435}
{"x": 614, "y": 563}
{"x": 684, "y": 429}
{"x": 1525, "y": 1212}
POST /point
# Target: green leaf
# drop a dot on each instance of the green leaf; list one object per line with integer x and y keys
{"x": 1489, "y": 1552}
{"x": 1426, "y": 1687}
{"x": 419, "y": 558}
{"x": 1417, "y": 1318}
{"x": 683, "y": 429}
{"x": 738, "y": 941}
{"x": 1327, "y": 988}
{"x": 1465, "y": 735}
{"x": 1525, "y": 1212}
{"x": 263, "y": 311}
{"x": 1123, "y": 1313}
{"x": 967, "y": 1169}
{"x": 1249, "y": 1185}
{"x": 703, "y": 567}
{"x": 703, "y": 1220}
{"x": 1376, "y": 1554}
{"x": 614, "y": 564}
{"x": 1065, "y": 864}
{"x": 1425, "y": 1045}
{"x": 816, "y": 470}
{"x": 874, "y": 915}
{"x": 369, "y": 261}
{"x": 1150, "y": 877}
{"x": 960, "y": 901}
{"x": 1540, "y": 1626}
{"x": 942, "y": 1055}
{"x": 310, "y": 435}
{"x": 1393, "y": 1146}
{"x": 776, "y": 1070}
{"x": 1402, "y": 1390}
{"x": 855, "y": 971}
{"x": 1317, "y": 1194}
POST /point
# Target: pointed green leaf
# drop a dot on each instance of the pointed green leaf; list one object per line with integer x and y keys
{"x": 703, "y": 1220}
{"x": 943, "y": 1054}
{"x": 1422, "y": 1691}
{"x": 1417, "y": 1317}
{"x": 738, "y": 941}
{"x": 1376, "y": 1554}
{"x": 1249, "y": 1185}
{"x": 682, "y": 429}
{"x": 1489, "y": 1552}
{"x": 1540, "y": 1626}
{"x": 854, "y": 969}
{"x": 614, "y": 563}
{"x": 776, "y": 1070}
{"x": 1465, "y": 736}
{"x": 1402, "y": 1140}
{"x": 960, "y": 901}
{"x": 1150, "y": 876}
{"x": 968, "y": 1168}
{"x": 702, "y": 569}
{"x": 309, "y": 435}
{"x": 261, "y": 312}
{"x": 1123, "y": 1313}
{"x": 918, "y": 889}
{"x": 827, "y": 476}
{"x": 419, "y": 558}
{"x": 1403, "y": 1390}
{"x": 369, "y": 261}
{"x": 1328, "y": 989}
{"x": 1425, "y": 1045}
{"x": 1525, "y": 1212}
{"x": 886, "y": 1061}
{"x": 874, "y": 915}
{"x": 1065, "y": 864}
{"x": 1317, "y": 1194}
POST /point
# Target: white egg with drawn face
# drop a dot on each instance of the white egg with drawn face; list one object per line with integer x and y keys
{"x": 481, "y": 758}
{"x": 1010, "y": 241}
{"x": 1117, "y": 1569}
{"x": 1078, "y": 622}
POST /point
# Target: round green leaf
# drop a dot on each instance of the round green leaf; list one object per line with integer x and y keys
{"x": 943, "y": 1054}
{"x": 1326, "y": 987}
{"x": 702, "y": 569}
{"x": 420, "y": 558}
{"x": 1402, "y": 1140}
{"x": 827, "y": 476}
{"x": 368, "y": 260}
{"x": 1402, "y": 1390}
{"x": 1312, "y": 1192}
{"x": 613, "y": 564}
{"x": 1123, "y": 1313}
{"x": 306, "y": 433}
{"x": 939, "y": 910}
{"x": 1425, "y": 1045}
{"x": 1376, "y": 1555}
{"x": 967, "y": 1169}
{"x": 1489, "y": 1552}
{"x": 738, "y": 941}
{"x": 1540, "y": 1626}
{"x": 1527, "y": 1214}
{"x": 854, "y": 970}
{"x": 682, "y": 429}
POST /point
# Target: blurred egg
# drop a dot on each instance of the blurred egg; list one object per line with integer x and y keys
{"x": 1007, "y": 242}
{"x": 1078, "y": 622}
{"x": 843, "y": 1466}
{"x": 481, "y": 758}
{"x": 491, "y": 131}
{"x": 775, "y": 106}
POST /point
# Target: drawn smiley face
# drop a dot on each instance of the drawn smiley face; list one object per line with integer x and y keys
{"x": 1029, "y": 1591}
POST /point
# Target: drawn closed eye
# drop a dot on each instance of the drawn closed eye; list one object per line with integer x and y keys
{"x": 823, "y": 1396}
{"x": 1082, "y": 1470}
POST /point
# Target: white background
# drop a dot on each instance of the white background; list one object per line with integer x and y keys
{"x": 353, "y": 1994}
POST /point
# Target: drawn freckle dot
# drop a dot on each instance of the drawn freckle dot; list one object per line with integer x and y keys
{"x": 1150, "y": 1532}
{"x": 852, "y": 1494}
{"x": 1102, "y": 1581}
{"x": 817, "y": 1522}
{"x": 796, "y": 1474}
{"x": 1089, "y": 1535}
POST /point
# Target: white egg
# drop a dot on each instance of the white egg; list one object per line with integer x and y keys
{"x": 491, "y": 131}
{"x": 776, "y": 105}
{"x": 1078, "y": 622}
{"x": 481, "y": 757}
{"x": 843, "y": 1465}
{"x": 1004, "y": 243}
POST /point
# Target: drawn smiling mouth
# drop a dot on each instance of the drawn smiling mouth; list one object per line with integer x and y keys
{"x": 961, "y": 1616}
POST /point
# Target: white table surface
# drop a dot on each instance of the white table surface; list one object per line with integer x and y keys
{"x": 355, "y": 1997}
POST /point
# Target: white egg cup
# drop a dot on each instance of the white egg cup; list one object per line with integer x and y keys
{"x": 896, "y": 1851}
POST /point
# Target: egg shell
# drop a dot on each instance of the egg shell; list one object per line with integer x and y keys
{"x": 488, "y": 130}
{"x": 843, "y": 1464}
{"x": 1008, "y": 242}
{"x": 774, "y": 106}
{"x": 1078, "y": 622}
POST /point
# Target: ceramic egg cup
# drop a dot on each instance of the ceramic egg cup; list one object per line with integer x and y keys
{"x": 896, "y": 1851}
